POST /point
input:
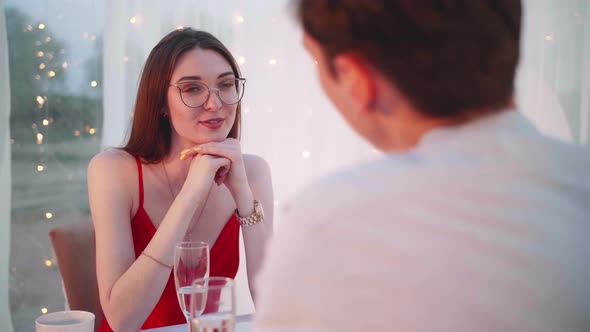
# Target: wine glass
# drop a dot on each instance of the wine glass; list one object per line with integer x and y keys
{"x": 213, "y": 305}
{"x": 191, "y": 262}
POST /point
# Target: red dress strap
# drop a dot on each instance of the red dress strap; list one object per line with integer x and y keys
{"x": 140, "y": 178}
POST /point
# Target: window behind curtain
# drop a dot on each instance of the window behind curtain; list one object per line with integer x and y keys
{"x": 55, "y": 59}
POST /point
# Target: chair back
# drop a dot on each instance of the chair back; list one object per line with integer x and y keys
{"x": 75, "y": 251}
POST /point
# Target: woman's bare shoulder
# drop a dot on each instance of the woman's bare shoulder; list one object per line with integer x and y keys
{"x": 115, "y": 160}
{"x": 256, "y": 166}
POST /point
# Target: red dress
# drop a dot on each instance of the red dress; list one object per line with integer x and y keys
{"x": 224, "y": 261}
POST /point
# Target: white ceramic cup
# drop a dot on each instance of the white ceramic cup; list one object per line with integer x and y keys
{"x": 66, "y": 321}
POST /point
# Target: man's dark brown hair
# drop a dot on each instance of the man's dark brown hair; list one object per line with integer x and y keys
{"x": 446, "y": 56}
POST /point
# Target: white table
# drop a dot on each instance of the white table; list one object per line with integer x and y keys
{"x": 243, "y": 324}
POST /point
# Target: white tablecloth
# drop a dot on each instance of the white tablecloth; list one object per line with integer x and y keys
{"x": 243, "y": 324}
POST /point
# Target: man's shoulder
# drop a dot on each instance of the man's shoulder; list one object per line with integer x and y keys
{"x": 352, "y": 189}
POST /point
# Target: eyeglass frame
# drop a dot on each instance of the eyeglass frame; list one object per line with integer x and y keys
{"x": 216, "y": 90}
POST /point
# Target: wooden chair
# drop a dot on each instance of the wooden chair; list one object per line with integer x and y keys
{"x": 75, "y": 248}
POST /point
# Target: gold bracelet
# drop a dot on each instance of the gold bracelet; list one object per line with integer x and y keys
{"x": 156, "y": 260}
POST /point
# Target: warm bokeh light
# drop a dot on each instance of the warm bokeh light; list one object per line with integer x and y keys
{"x": 48, "y": 215}
{"x": 240, "y": 19}
{"x": 305, "y": 154}
{"x": 93, "y": 84}
{"x": 92, "y": 131}
{"x": 40, "y": 100}
{"x": 41, "y": 26}
{"x": 51, "y": 73}
{"x": 48, "y": 263}
{"x": 44, "y": 310}
{"x": 40, "y": 168}
{"x": 133, "y": 20}
{"x": 77, "y": 133}
{"x": 241, "y": 60}
{"x": 39, "y": 138}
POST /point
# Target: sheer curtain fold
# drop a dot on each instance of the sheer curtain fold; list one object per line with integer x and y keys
{"x": 5, "y": 177}
{"x": 553, "y": 83}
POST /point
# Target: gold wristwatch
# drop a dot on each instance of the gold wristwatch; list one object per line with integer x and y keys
{"x": 254, "y": 218}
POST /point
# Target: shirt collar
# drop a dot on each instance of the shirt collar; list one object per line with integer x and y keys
{"x": 508, "y": 121}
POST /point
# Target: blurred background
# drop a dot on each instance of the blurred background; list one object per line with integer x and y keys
{"x": 68, "y": 76}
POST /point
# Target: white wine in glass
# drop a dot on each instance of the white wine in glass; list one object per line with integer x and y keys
{"x": 213, "y": 305}
{"x": 191, "y": 262}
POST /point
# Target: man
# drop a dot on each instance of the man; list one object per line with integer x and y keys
{"x": 471, "y": 221}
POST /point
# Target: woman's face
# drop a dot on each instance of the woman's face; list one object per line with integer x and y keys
{"x": 212, "y": 121}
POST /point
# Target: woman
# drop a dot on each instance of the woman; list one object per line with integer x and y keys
{"x": 181, "y": 176}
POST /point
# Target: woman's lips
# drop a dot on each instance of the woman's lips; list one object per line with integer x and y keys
{"x": 213, "y": 123}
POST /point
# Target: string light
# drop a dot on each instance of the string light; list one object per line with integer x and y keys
{"x": 45, "y": 122}
{"x": 305, "y": 154}
{"x": 239, "y": 19}
{"x": 44, "y": 310}
{"x": 272, "y": 62}
{"x": 40, "y": 53}
{"x": 40, "y": 100}
{"x": 179, "y": 28}
{"x": 41, "y": 26}
{"x": 41, "y": 66}
{"x": 64, "y": 65}
{"x": 549, "y": 37}
{"x": 48, "y": 263}
{"x": 241, "y": 60}
{"x": 40, "y": 168}
{"x": 51, "y": 73}
{"x": 93, "y": 84}
{"x": 48, "y": 215}
{"x": 48, "y": 39}
{"x": 39, "y": 138}
{"x": 133, "y": 20}
{"x": 91, "y": 131}
{"x": 76, "y": 133}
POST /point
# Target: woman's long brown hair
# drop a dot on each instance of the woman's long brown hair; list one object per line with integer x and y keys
{"x": 150, "y": 136}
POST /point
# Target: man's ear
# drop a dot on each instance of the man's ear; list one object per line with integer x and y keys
{"x": 354, "y": 75}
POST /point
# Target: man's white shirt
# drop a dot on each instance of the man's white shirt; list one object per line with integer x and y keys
{"x": 481, "y": 227}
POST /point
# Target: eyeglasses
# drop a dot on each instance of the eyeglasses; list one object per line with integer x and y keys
{"x": 195, "y": 94}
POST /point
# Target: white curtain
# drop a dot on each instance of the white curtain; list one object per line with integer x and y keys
{"x": 287, "y": 119}
{"x": 5, "y": 179}
{"x": 553, "y": 85}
